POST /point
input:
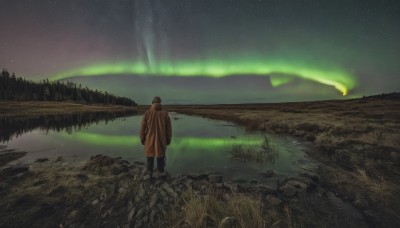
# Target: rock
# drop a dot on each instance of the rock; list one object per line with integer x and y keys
{"x": 147, "y": 177}
{"x": 130, "y": 204}
{"x": 71, "y": 218}
{"x": 313, "y": 176}
{"x": 123, "y": 162}
{"x": 214, "y": 178}
{"x": 106, "y": 214}
{"x": 152, "y": 216}
{"x": 141, "y": 191}
{"x": 345, "y": 207}
{"x": 299, "y": 133}
{"x": 288, "y": 190}
{"x": 121, "y": 190}
{"x": 163, "y": 193}
{"x": 41, "y": 160}
{"x": 239, "y": 180}
{"x": 231, "y": 186}
{"x": 139, "y": 223}
{"x": 161, "y": 176}
{"x": 103, "y": 196}
{"x": 60, "y": 190}
{"x": 229, "y": 222}
{"x": 253, "y": 181}
{"x": 82, "y": 177}
{"x": 310, "y": 137}
{"x": 266, "y": 190}
{"x": 169, "y": 190}
{"x": 297, "y": 184}
{"x": 94, "y": 202}
{"x": 100, "y": 161}
{"x": 291, "y": 187}
{"x": 153, "y": 200}
{"x": 196, "y": 176}
{"x": 11, "y": 171}
{"x": 130, "y": 214}
{"x": 273, "y": 200}
{"x": 143, "y": 213}
{"x": 119, "y": 169}
{"x": 240, "y": 188}
{"x": 162, "y": 210}
{"x": 138, "y": 162}
{"x": 268, "y": 173}
{"x": 11, "y": 156}
{"x": 252, "y": 188}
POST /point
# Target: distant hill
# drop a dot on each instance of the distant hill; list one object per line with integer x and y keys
{"x": 17, "y": 88}
{"x": 384, "y": 96}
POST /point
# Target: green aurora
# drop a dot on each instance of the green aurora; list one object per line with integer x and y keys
{"x": 179, "y": 143}
{"x": 279, "y": 72}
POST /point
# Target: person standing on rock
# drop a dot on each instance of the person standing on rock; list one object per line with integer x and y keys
{"x": 155, "y": 135}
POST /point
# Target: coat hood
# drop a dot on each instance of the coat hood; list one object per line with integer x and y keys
{"x": 156, "y": 106}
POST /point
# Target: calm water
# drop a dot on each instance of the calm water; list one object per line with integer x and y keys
{"x": 198, "y": 145}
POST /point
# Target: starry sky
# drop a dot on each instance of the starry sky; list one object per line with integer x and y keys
{"x": 207, "y": 51}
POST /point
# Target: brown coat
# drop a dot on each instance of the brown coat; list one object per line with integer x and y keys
{"x": 155, "y": 131}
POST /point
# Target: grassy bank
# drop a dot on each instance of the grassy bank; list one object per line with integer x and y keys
{"x": 357, "y": 140}
{"x": 111, "y": 192}
{"x": 41, "y": 108}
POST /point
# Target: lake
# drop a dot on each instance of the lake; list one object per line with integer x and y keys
{"x": 198, "y": 145}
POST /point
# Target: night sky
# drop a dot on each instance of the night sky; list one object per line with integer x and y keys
{"x": 207, "y": 51}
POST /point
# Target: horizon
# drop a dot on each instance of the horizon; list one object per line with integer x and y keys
{"x": 342, "y": 98}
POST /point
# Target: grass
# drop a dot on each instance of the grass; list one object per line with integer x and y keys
{"x": 289, "y": 219}
{"x": 379, "y": 189}
{"x": 362, "y": 133}
{"x": 263, "y": 153}
{"x": 213, "y": 210}
{"x": 247, "y": 210}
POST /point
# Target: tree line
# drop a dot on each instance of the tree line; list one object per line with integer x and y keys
{"x": 17, "y": 88}
{"x": 14, "y": 127}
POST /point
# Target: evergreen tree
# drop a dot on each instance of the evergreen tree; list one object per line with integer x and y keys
{"x": 17, "y": 88}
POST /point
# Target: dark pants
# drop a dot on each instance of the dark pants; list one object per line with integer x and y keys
{"x": 160, "y": 164}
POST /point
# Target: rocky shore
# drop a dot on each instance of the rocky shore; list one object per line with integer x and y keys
{"x": 111, "y": 192}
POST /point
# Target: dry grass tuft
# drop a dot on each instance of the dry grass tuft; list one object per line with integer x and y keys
{"x": 206, "y": 210}
{"x": 267, "y": 153}
{"x": 247, "y": 210}
{"x": 196, "y": 209}
{"x": 289, "y": 217}
{"x": 379, "y": 189}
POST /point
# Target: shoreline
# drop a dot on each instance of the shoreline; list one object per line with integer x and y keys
{"x": 113, "y": 192}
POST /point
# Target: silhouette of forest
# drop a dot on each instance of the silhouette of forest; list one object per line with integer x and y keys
{"x": 14, "y": 127}
{"x": 19, "y": 89}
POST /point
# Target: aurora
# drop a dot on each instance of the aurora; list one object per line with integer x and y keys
{"x": 279, "y": 72}
{"x": 179, "y": 143}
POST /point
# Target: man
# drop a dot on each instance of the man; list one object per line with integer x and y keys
{"x": 155, "y": 135}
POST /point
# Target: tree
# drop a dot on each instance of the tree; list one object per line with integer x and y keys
{"x": 17, "y": 88}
